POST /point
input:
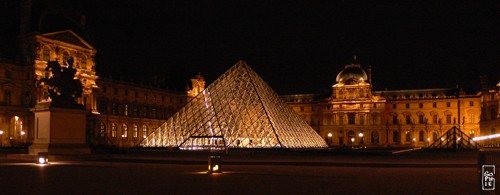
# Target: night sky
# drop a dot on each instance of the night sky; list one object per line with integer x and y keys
{"x": 296, "y": 46}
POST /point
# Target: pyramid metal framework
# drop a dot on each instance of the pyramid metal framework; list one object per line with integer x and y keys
{"x": 238, "y": 110}
{"x": 454, "y": 138}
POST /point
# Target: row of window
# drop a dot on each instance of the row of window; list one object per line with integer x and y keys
{"x": 396, "y": 138}
{"x": 134, "y": 110}
{"x": 164, "y": 99}
{"x": 407, "y": 117}
{"x": 82, "y": 61}
{"x": 434, "y": 105}
{"x": 124, "y": 133}
{"x": 435, "y": 119}
{"x": 394, "y": 106}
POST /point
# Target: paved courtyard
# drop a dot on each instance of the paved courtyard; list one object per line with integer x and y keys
{"x": 127, "y": 176}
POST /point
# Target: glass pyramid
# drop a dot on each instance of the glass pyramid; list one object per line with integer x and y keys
{"x": 238, "y": 110}
{"x": 454, "y": 139}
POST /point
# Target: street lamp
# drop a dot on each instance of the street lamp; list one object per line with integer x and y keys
{"x": 330, "y": 138}
{"x": 22, "y": 133}
{"x": 123, "y": 141}
{"x": 1, "y": 138}
{"x": 361, "y": 137}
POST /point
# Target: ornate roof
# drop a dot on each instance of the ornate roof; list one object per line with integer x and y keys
{"x": 352, "y": 73}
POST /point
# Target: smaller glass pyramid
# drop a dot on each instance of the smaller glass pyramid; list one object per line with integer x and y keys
{"x": 238, "y": 110}
{"x": 454, "y": 139}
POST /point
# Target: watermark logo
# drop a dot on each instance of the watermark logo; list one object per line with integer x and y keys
{"x": 488, "y": 177}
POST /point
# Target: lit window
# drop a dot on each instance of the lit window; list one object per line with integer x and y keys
{"x": 124, "y": 130}
{"x": 114, "y": 130}
{"x": 135, "y": 131}
{"x": 144, "y": 131}
{"x": 125, "y": 109}
{"x": 102, "y": 129}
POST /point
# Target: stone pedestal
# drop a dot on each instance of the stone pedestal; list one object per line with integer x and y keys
{"x": 59, "y": 131}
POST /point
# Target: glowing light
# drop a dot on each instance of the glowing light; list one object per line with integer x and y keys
{"x": 352, "y": 139}
{"x": 360, "y": 135}
{"x": 16, "y": 118}
{"x": 428, "y": 139}
{"x": 1, "y": 132}
{"x": 486, "y": 137}
{"x": 442, "y": 139}
{"x": 458, "y": 139}
{"x": 42, "y": 160}
{"x": 330, "y": 135}
{"x": 22, "y": 133}
{"x": 414, "y": 139}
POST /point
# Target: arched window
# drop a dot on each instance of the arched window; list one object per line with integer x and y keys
{"x": 125, "y": 109}
{"x": 493, "y": 114}
{"x": 421, "y": 137}
{"x": 115, "y": 108}
{"x": 124, "y": 130}
{"x": 407, "y": 136}
{"x": 434, "y": 136}
{"x": 395, "y": 137}
{"x": 375, "y": 138}
{"x": 144, "y": 131}
{"x": 114, "y": 130}
{"x": 351, "y": 118}
{"x": 103, "y": 106}
{"x": 102, "y": 129}
{"x": 135, "y": 131}
{"x": 45, "y": 54}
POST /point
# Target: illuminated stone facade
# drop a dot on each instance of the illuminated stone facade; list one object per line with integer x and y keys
{"x": 120, "y": 113}
{"x": 355, "y": 115}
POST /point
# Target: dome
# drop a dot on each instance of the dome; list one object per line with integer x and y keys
{"x": 352, "y": 73}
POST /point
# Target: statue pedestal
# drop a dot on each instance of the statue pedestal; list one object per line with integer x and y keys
{"x": 59, "y": 131}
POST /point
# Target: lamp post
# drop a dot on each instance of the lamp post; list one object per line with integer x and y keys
{"x": 1, "y": 138}
{"x": 22, "y": 141}
{"x": 123, "y": 141}
{"x": 330, "y": 138}
{"x": 361, "y": 138}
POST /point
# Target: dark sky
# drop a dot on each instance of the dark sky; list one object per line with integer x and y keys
{"x": 298, "y": 46}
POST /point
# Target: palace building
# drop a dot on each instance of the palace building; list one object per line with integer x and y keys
{"x": 355, "y": 115}
{"x": 124, "y": 113}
